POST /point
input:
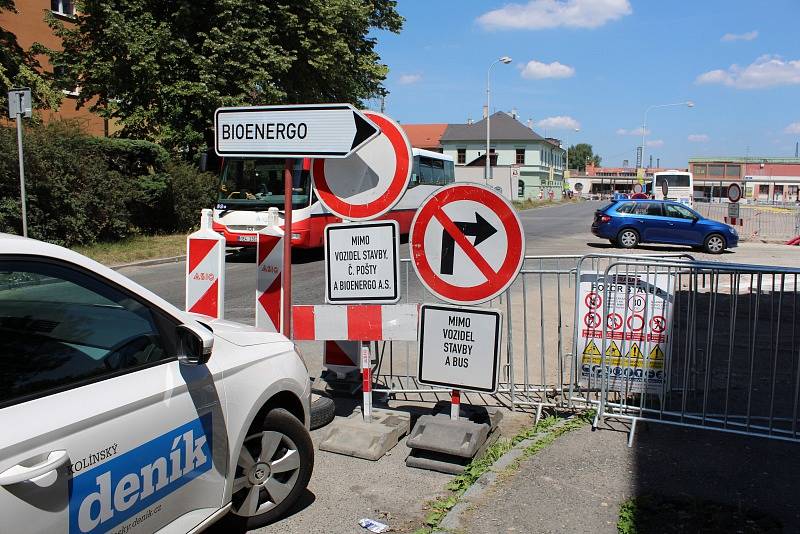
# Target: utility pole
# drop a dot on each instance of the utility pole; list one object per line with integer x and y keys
{"x": 19, "y": 105}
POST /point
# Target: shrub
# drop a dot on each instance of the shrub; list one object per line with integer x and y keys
{"x": 82, "y": 189}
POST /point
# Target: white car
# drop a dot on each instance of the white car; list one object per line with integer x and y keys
{"x": 121, "y": 413}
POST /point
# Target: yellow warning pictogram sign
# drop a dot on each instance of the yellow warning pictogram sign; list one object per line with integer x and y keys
{"x": 613, "y": 350}
{"x": 635, "y": 353}
{"x": 591, "y": 354}
{"x": 591, "y": 349}
{"x": 656, "y": 358}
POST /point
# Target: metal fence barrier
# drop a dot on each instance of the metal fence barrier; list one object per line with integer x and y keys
{"x": 758, "y": 221}
{"x": 731, "y": 357}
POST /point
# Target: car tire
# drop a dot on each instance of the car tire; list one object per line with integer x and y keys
{"x": 628, "y": 238}
{"x": 260, "y": 493}
{"x": 714, "y": 244}
{"x": 323, "y": 410}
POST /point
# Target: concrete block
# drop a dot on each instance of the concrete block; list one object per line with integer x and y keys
{"x": 351, "y": 436}
{"x": 439, "y": 433}
{"x": 490, "y": 415}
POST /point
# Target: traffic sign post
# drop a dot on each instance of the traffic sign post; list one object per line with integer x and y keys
{"x": 467, "y": 243}
{"x": 734, "y": 193}
{"x": 637, "y": 188}
{"x": 371, "y": 181}
{"x": 459, "y": 348}
{"x": 297, "y": 131}
{"x": 19, "y": 105}
{"x": 362, "y": 263}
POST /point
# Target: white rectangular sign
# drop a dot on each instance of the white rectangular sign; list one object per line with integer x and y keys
{"x": 459, "y": 347}
{"x": 733, "y": 210}
{"x": 637, "y": 320}
{"x": 362, "y": 263}
{"x": 302, "y": 131}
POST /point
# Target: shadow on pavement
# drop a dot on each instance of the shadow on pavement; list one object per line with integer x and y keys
{"x": 674, "y": 249}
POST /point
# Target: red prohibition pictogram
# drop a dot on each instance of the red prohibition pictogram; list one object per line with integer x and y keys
{"x": 591, "y": 320}
{"x": 593, "y": 301}
{"x": 658, "y": 324}
{"x": 635, "y": 322}
{"x": 330, "y": 174}
{"x": 467, "y": 243}
{"x": 614, "y": 321}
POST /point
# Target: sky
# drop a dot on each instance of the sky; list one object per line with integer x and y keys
{"x": 597, "y": 65}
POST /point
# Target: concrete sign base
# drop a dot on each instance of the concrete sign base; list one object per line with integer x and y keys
{"x": 351, "y": 436}
{"x": 440, "y": 443}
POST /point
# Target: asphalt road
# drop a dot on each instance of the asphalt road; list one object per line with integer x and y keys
{"x": 547, "y": 231}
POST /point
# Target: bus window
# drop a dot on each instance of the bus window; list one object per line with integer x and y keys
{"x": 258, "y": 184}
{"x": 449, "y": 172}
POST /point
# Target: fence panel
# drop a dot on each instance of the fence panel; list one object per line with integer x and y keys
{"x": 730, "y": 360}
{"x": 758, "y": 222}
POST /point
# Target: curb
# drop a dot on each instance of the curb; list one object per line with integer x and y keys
{"x": 452, "y": 521}
{"x": 144, "y": 263}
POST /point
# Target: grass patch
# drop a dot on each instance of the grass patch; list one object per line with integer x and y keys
{"x": 530, "y": 203}
{"x": 135, "y": 249}
{"x": 478, "y": 466}
{"x": 657, "y": 514}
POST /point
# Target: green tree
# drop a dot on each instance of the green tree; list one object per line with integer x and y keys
{"x": 160, "y": 69}
{"x": 21, "y": 68}
{"x": 580, "y": 154}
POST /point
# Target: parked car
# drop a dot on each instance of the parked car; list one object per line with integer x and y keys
{"x": 120, "y": 412}
{"x": 626, "y": 223}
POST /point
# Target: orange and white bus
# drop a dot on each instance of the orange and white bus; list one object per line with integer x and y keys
{"x": 248, "y": 187}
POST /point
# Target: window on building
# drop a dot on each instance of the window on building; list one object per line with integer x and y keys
{"x": 699, "y": 170}
{"x": 733, "y": 171}
{"x": 461, "y": 157}
{"x": 717, "y": 171}
{"x": 63, "y": 7}
{"x": 520, "y": 156}
{"x": 65, "y": 81}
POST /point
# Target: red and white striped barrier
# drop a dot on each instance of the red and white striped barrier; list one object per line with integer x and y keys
{"x": 205, "y": 270}
{"x": 734, "y": 221}
{"x": 269, "y": 292}
{"x": 366, "y": 384}
{"x": 371, "y": 322}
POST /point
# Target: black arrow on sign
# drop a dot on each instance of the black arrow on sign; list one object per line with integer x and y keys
{"x": 364, "y": 130}
{"x": 481, "y": 229}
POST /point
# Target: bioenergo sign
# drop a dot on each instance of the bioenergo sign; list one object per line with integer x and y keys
{"x": 302, "y": 131}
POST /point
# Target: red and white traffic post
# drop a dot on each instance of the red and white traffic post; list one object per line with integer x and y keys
{"x": 455, "y": 404}
{"x": 269, "y": 289}
{"x": 205, "y": 270}
{"x": 366, "y": 384}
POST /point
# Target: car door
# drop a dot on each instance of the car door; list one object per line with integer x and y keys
{"x": 103, "y": 429}
{"x": 649, "y": 222}
{"x": 683, "y": 225}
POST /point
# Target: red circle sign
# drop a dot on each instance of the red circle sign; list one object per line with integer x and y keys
{"x": 734, "y": 192}
{"x": 658, "y": 324}
{"x": 614, "y": 321}
{"x": 635, "y": 322}
{"x": 593, "y": 301}
{"x": 380, "y": 170}
{"x": 467, "y": 243}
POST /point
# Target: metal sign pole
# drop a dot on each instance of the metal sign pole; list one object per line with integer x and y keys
{"x": 21, "y": 169}
{"x": 288, "y": 176}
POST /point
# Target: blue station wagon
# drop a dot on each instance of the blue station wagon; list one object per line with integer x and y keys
{"x": 626, "y": 223}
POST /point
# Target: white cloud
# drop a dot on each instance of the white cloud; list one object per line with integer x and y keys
{"x": 655, "y": 143}
{"x": 766, "y": 71}
{"x": 698, "y": 138}
{"x": 542, "y": 14}
{"x": 560, "y": 122}
{"x": 536, "y": 70}
{"x": 408, "y": 79}
{"x": 793, "y": 128}
{"x": 634, "y": 131}
{"x": 747, "y": 36}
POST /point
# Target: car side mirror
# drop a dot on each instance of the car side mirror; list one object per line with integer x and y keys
{"x": 194, "y": 344}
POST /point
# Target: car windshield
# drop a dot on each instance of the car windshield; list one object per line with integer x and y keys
{"x": 257, "y": 184}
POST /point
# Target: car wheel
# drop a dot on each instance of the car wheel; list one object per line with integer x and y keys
{"x": 714, "y": 244}
{"x": 273, "y": 469}
{"x": 323, "y": 411}
{"x": 628, "y": 238}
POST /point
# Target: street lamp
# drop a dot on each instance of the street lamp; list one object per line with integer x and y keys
{"x": 505, "y": 60}
{"x": 688, "y": 104}
{"x": 566, "y": 142}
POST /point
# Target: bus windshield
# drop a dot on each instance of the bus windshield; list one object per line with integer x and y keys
{"x": 673, "y": 180}
{"x": 257, "y": 184}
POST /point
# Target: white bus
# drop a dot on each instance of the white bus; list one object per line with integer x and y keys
{"x": 248, "y": 187}
{"x": 679, "y": 186}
